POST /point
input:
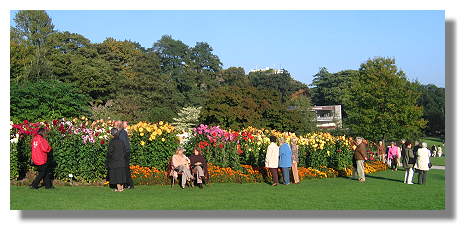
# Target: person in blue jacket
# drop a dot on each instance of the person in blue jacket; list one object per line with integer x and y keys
{"x": 285, "y": 160}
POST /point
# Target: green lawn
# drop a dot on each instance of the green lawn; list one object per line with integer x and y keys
{"x": 433, "y": 141}
{"x": 382, "y": 191}
{"x": 438, "y": 161}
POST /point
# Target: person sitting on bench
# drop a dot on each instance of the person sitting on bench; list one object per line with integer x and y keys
{"x": 199, "y": 167}
{"x": 180, "y": 164}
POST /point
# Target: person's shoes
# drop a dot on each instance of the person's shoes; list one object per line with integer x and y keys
{"x": 274, "y": 184}
{"x": 410, "y": 183}
{"x": 33, "y": 187}
{"x": 200, "y": 186}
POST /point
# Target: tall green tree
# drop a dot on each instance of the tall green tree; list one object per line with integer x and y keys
{"x": 302, "y": 117}
{"x": 238, "y": 107}
{"x": 32, "y": 29}
{"x": 75, "y": 59}
{"x": 234, "y": 76}
{"x": 279, "y": 81}
{"x": 383, "y": 104}
{"x": 332, "y": 88}
{"x": 153, "y": 95}
{"x": 432, "y": 99}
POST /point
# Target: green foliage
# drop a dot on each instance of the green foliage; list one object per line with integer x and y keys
{"x": 383, "y": 103}
{"x": 279, "y": 81}
{"x": 432, "y": 99}
{"x": 237, "y": 107}
{"x": 75, "y": 60}
{"x": 154, "y": 153}
{"x": 85, "y": 161}
{"x": 14, "y": 162}
{"x": 301, "y": 109}
{"x": 31, "y": 32}
{"x": 234, "y": 76}
{"x": 333, "y": 88}
{"x": 45, "y": 100}
{"x": 187, "y": 118}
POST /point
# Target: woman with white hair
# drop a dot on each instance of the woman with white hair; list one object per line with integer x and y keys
{"x": 422, "y": 162}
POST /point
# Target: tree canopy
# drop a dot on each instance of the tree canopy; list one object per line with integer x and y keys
{"x": 123, "y": 80}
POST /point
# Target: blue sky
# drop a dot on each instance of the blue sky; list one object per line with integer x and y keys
{"x": 298, "y": 41}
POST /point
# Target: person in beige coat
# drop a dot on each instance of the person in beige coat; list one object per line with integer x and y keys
{"x": 295, "y": 160}
{"x": 422, "y": 162}
{"x": 180, "y": 164}
{"x": 272, "y": 159}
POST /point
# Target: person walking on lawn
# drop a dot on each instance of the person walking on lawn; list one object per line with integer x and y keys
{"x": 39, "y": 149}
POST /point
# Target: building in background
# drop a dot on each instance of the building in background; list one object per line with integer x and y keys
{"x": 328, "y": 117}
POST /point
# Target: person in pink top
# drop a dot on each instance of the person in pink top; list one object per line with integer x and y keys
{"x": 39, "y": 149}
{"x": 392, "y": 156}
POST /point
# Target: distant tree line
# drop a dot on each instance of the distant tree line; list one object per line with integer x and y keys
{"x": 57, "y": 74}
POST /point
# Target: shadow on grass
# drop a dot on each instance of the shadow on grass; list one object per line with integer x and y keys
{"x": 382, "y": 178}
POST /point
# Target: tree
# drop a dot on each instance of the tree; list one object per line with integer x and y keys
{"x": 187, "y": 118}
{"x": 332, "y": 88}
{"x": 279, "y": 81}
{"x": 174, "y": 54}
{"x": 234, "y": 76}
{"x": 75, "y": 59}
{"x": 153, "y": 94}
{"x": 301, "y": 114}
{"x": 45, "y": 100}
{"x": 432, "y": 99}
{"x": 383, "y": 104}
{"x": 32, "y": 30}
{"x": 202, "y": 59}
{"x": 237, "y": 107}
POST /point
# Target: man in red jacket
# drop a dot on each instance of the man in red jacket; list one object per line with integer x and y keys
{"x": 39, "y": 149}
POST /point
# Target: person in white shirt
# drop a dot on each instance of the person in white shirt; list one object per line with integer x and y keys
{"x": 272, "y": 159}
{"x": 422, "y": 162}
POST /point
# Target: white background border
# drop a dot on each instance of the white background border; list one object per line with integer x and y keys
{"x": 454, "y": 11}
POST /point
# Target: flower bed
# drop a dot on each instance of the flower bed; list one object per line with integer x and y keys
{"x": 369, "y": 167}
{"x": 80, "y": 148}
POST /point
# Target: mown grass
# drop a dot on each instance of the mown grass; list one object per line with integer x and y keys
{"x": 382, "y": 191}
{"x": 438, "y": 161}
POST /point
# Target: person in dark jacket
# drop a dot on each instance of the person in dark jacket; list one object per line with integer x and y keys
{"x": 116, "y": 162}
{"x": 360, "y": 155}
{"x": 199, "y": 167}
{"x": 408, "y": 160}
{"x": 124, "y": 137}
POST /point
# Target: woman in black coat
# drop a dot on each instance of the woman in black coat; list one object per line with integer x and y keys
{"x": 116, "y": 162}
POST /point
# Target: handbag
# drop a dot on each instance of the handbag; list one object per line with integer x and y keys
{"x": 429, "y": 165}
